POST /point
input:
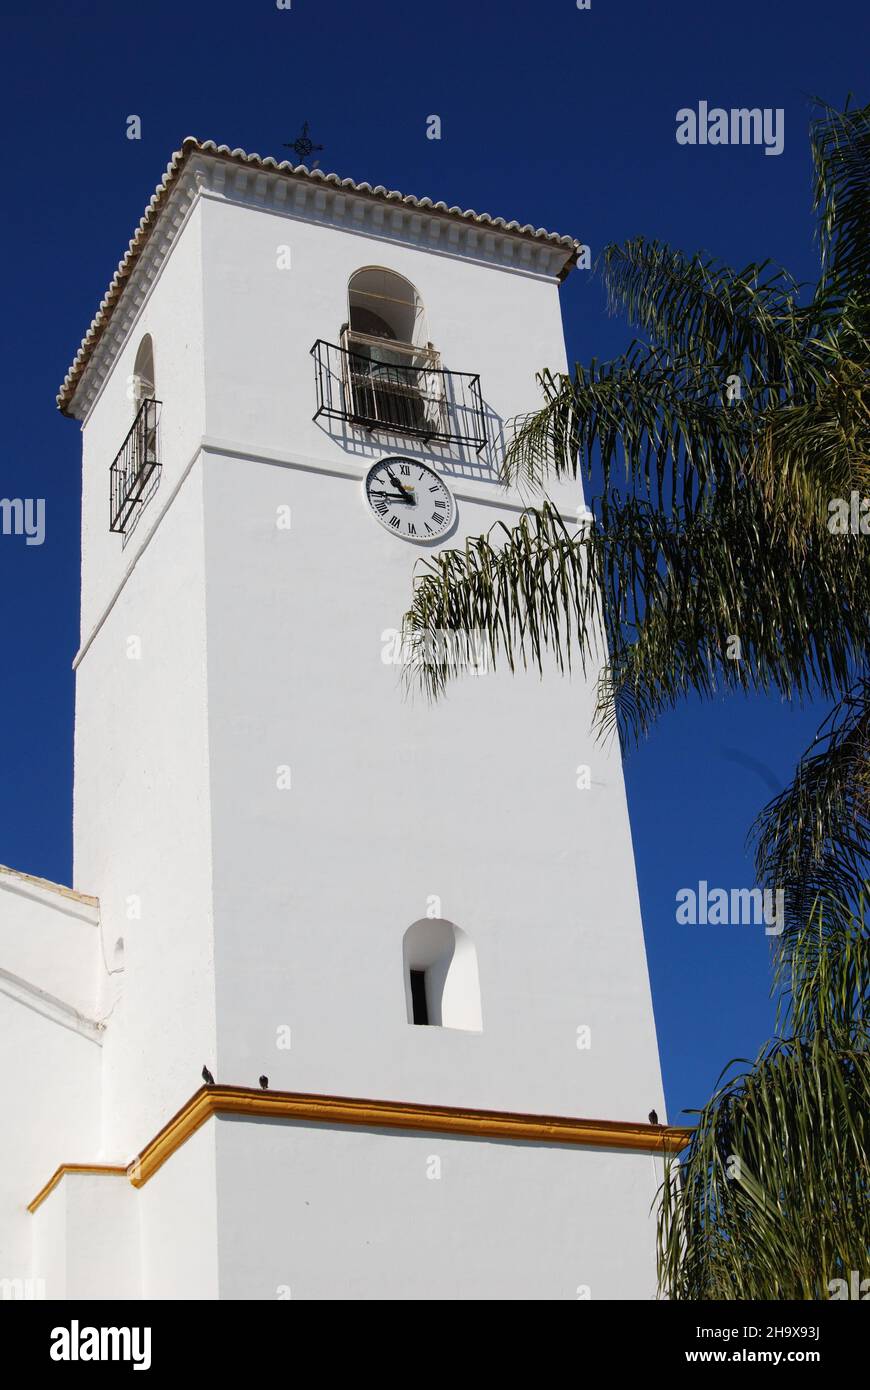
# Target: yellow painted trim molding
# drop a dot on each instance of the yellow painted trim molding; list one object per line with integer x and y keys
{"x": 379, "y": 1114}
{"x": 100, "y": 1168}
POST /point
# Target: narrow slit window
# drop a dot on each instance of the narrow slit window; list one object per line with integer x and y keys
{"x": 418, "y": 996}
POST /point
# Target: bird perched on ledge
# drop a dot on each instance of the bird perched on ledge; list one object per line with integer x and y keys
{"x": 207, "y": 1077}
{"x": 653, "y": 1118}
{"x": 264, "y": 1083}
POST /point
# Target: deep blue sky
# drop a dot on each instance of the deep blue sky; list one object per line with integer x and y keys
{"x": 551, "y": 115}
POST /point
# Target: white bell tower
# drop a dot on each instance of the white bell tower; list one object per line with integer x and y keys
{"x": 415, "y": 920}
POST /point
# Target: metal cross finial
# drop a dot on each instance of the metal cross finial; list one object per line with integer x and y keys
{"x": 303, "y": 146}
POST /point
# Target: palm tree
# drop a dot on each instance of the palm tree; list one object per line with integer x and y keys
{"x": 772, "y": 1197}
{"x": 717, "y": 561}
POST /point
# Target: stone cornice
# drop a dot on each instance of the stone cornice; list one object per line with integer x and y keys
{"x": 205, "y": 169}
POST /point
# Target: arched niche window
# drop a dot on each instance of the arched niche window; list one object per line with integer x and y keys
{"x": 442, "y": 985}
{"x": 393, "y": 371}
{"x": 382, "y": 304}
{"x": 144, "y": 381}
{"x": 135, "y": 473}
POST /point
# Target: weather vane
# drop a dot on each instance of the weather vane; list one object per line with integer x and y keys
{"x": 303, "y": 146}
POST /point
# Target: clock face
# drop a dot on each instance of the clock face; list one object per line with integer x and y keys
{"x": 410, "y": 499}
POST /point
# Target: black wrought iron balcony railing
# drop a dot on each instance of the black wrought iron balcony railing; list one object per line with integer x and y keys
{"x": 381, "y": 384}
{"x": 134, "y": 467}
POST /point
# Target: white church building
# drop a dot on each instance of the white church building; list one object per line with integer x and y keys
{"x": 413, "y": 920}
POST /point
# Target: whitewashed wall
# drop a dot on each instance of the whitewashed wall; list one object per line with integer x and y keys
{"x": 142, "y": 832}
{"x": 172, "y": 314}
{"x": 263, "y": 910}
{"x": 50, "y": 1076}
{"x": 473, "y": 801}
{"x": 284, "y": 1211}
{"x": 86, "y": 1239}
{"x": 352, "y": 1214}
{"x": 179, "y": 1222}
{"x": 260, "y": 323}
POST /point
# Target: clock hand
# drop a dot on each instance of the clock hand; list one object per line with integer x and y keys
{"x": 391, "y": 496}
{"x": 401, "y": 486}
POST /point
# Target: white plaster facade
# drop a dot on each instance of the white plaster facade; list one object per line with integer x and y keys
{"x": 220, "y": 649}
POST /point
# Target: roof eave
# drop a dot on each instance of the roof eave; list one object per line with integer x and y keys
{"x": 191, "y": 146}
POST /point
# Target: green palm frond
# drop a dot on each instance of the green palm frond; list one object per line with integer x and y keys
{"x": 841, "y": 156}
{"x": 813, "y": 839}
{"x": 703, "y": 600}
{"x": 699, "y": 309}
{"x": 713, "y": 518}
{"x": 664, "y": 430}
{"x": 772, "y": 1197}
{"x": 824, "y": 974}
{"x": 661, "y": 422}
{"x": 523, "y": 589}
